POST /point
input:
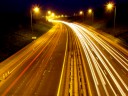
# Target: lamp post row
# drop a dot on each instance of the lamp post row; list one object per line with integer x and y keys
{"x": 109, "y": 6}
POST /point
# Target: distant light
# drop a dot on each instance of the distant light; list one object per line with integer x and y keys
{"x": 53, "y": 14}
{"x": 34, "y": 38}
{"x": 62, "y": 15}
{"x": 59, "y": 16}
{"x": 65, "y": 16}
{"x": 49, "y": 12}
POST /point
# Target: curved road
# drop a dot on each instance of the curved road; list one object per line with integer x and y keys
{"x": 106, "y": 65}
{"x": 35, "y": 70}
{"x": 69, "y": 60}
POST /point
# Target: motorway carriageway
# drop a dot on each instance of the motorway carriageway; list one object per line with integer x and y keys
{"x": 70, "y": 60}
{"x": 105, "y": 67}
{"x": 36, "y": 69}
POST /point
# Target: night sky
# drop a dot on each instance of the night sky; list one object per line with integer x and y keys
{"x": 63, "y": 6}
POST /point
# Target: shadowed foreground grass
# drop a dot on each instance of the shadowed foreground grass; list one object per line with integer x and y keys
{"x": 11, "y": 42}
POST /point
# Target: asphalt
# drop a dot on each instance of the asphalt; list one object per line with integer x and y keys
{"x": 40, "y": 70}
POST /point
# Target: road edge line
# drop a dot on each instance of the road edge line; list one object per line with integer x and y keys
{"x": 62, "y": 72}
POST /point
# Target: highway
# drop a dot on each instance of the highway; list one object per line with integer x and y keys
{"x": 35, "y": 69}
{"x": 74, "y": 81}
{"x": 105, "y": 67}
{"x": 69, "y": 60}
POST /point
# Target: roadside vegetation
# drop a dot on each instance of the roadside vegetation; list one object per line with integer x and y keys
{"x": 16, "y": 33}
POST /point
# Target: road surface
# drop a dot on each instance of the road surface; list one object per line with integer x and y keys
{"x": 35, "y": 70}
{"x": 74, "y": 80}
{"x": 69, "y": 60}
{"x": 106, "y": 66}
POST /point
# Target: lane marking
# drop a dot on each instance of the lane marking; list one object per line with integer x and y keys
{"x": 123, "y": 71}
{"x": 44, "y": 72}
{"x": 26, "y": 68}
{"x": 58, "y": 93}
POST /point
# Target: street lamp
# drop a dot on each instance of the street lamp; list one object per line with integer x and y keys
{"x": 110, "y": 6}
{"x": 49, "y": 12}
{"x": 53, "y": 14}
{"x": 81, "y": 13}
{"x": 90, "y": 11}
{"x": 35, "y": 9}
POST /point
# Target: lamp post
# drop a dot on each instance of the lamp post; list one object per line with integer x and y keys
{"x": 36, "y": 10}
{"x": 49, "y": 12}
{"x": 110, "y": 6}
{"x": 81, "y": 13}
{"x": 48, "y": 15}
{"x": 90, "y": 11}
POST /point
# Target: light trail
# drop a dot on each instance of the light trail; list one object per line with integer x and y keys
{"x": 103, "y": 43}
{"x": 91, "y": 68}
{"x": 118, "y": 86}
{"x": 99, "y": 60}
{"x": 106, "y": 60}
